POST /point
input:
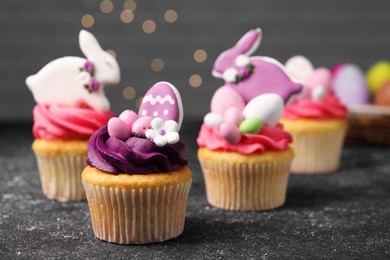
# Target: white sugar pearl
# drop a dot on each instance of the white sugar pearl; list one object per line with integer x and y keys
{"x": 144, "y": 112}
{"x": 166, "y": 112}
{"x": 155, "y": 113}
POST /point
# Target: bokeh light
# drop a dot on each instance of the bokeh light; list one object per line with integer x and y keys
{"x": 138, "y": 102}
{"x": 195, "y": 80}
{"x": 106, "y": 6}
{"x": 170, "y": 16}
{"x": 112, "y": 52}
{"x": 87, "y": 20}
{"x": 130, "y": 5}
{"x": 129, "y": 93}
{"x": 200, "y": 55}
{"x": 149, "y": 26}
{"x": 157, "y": 64}
{"x": 127, "y": 16}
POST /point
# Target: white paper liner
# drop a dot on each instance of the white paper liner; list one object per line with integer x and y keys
{"x": 61, "y": 176}
{"x": 137, "y": 216}
{"x": 317, "y": 153}
{"x": 245, "y": 187}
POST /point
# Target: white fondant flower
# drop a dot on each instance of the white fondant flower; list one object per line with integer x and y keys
{"x": 163, "y": 132}
{"x": 84, "y": 77}
{"x": 230, "y": 75}
{"x": 242, "y": 61}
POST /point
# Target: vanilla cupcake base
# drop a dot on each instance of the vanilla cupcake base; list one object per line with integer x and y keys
{"x": 245, "y": 182}
{"x": 317, "y": 144}
{"x": 60, "y": 165}
{"x": 137, "y": 208}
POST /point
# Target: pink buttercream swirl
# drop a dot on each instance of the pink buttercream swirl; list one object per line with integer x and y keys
{"x": 65, "y": 123}
{"x": 328, "y": 108}
{"x": 269, "y": 138}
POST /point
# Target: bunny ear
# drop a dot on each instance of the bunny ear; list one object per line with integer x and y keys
{"x": 249, "y": 42}
{"x": 245, "y": 46}
{"x": 88, "y": 44}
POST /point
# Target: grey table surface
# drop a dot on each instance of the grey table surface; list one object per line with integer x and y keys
{"x": 340, "y": 215}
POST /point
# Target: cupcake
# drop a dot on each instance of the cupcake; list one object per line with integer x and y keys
{"x": 316, "y": 119}
{"x": 243, "y": 149}
{"x": 137, "y": 181}
{"x": 71, "y": 106}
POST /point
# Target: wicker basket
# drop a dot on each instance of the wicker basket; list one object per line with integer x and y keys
{"x": 368, "y": 124}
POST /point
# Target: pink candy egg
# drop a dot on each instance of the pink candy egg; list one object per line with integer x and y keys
{"x": 320, "y": 77}
{"x": 118, "y": 128}
{"x": 233, "y": 115}
{"x": 141, "y": 125}
{"x": 129, "y": 117}
{"x": 224, "y": 98}
{"x": 230, "y": 133}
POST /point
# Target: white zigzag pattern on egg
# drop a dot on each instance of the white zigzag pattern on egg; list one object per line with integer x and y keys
{"x": 153, "y": 100}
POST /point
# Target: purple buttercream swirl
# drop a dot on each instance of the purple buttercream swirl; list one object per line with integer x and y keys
{"x": 135, "y": 155}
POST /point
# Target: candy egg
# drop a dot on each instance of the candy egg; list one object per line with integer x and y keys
{"x": 382, "y": 97}
{"x": 230, "y": 133}
{"x": 213, "y": 119}
{"x": 299, "y": 68}
{"x": 267, "y": 107}
{"x": 141, "y": 125}
{"x": 118, "y": 128}
{"x": 224, "y": 98}
{"x": 337, "y": 68}
{"x": 377, "y": 75}
{"x": 320, "y": 77}
{"x": 318, "y": 93}
{"x": 251, "y": 126}
{"x": 350, "y": 85}
{"x": 233, "y": 115}
{"x": 129, "y": 117}
{"x": 162, "y": 100}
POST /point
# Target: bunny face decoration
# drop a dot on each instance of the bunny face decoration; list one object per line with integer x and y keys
{"x": 72, "y": 81}
{"x": 252, "y": 76}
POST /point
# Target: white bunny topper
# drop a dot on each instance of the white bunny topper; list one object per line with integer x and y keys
{"x": 63, "y": 81}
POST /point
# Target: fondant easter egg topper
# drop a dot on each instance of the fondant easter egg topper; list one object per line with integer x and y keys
{"x": 72, "y": 81}
{"x": 159, "y": 118}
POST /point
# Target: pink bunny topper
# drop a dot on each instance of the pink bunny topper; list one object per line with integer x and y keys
{"x": 252, "y": 76}
{"x": 72, "y": 80}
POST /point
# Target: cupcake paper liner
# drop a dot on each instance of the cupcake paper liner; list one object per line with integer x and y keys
{"x": 137, "y": 215}
{"x": 245, "y": 187}
{"x": 317, "y": 153}
{"x": 61, "y": 176}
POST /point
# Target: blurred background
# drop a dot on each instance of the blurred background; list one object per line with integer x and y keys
{"x": 178, "y": 41}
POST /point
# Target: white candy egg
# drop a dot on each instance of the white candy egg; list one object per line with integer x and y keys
{"x": 267, "y": 107}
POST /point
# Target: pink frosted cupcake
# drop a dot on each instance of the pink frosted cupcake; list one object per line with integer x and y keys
{"x": 316, "y": 119}
{"x": 71, "y": 106}
{"x": 243, "y": 150}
